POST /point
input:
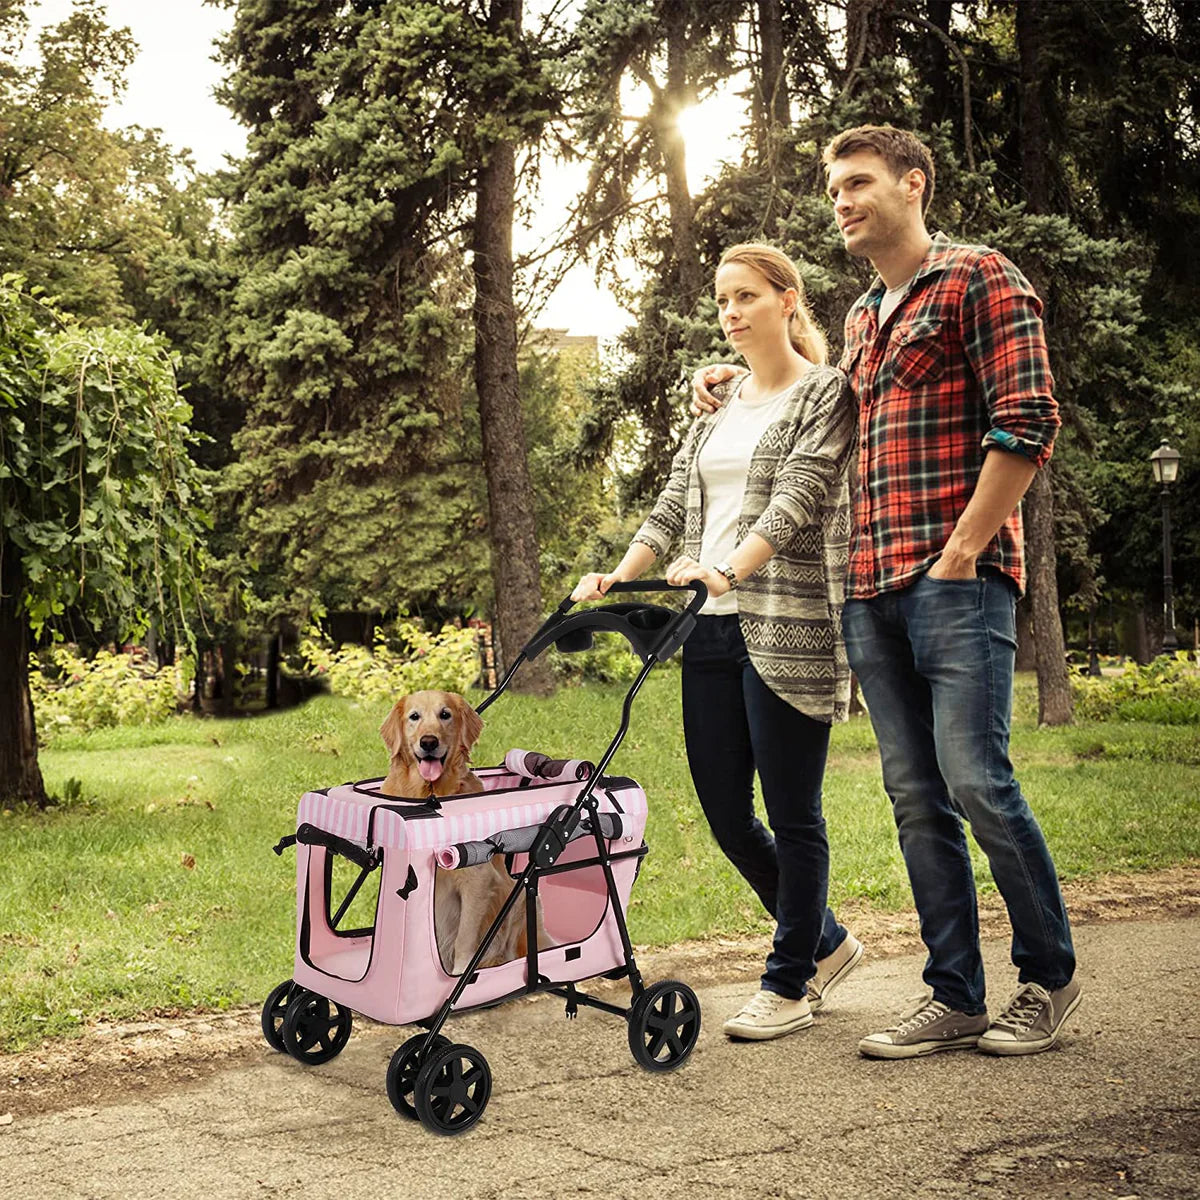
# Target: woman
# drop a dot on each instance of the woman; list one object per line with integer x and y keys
{"x": 758, "y": 495}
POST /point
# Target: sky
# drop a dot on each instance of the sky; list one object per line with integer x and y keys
{"x": 170, "y": 87}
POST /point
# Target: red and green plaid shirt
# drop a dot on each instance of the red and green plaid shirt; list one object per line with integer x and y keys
{"x": 960, "y": 368}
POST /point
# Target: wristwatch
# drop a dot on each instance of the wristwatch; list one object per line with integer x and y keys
{"x": 723, "y": 568}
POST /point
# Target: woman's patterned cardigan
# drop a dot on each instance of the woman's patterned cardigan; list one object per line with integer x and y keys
{"x": 790, "y": 609}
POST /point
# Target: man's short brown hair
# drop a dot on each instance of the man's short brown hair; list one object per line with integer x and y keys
{"x": 901, "y": 150}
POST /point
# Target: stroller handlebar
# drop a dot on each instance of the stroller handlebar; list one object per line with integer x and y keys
{"x": 652, "y": 631}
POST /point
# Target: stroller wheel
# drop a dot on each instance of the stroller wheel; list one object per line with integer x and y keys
{"x": 274, "y": 1010}
{"x": 664, "y": 1024}
{"x": 452, "y": 1089}
{"x": 315, "y": 1029}
{"x": 403, "y": 1070}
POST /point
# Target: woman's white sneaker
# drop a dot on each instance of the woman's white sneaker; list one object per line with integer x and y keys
{"x": 832, "y": 969}
{"x": 768, "y": 1015}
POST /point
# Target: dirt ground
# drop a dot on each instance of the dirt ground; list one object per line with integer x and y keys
{"x": 157, "y": 1053}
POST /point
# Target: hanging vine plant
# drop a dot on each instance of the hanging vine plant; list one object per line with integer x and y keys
{"x": 102, "y": 510}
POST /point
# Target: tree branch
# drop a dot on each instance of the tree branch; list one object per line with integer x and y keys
{"x": 964, "y": 70}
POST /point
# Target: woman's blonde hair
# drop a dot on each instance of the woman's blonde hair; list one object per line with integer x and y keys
{"x": 781, "y": 273}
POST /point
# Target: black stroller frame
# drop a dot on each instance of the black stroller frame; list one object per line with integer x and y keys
{"x": 446, "y": 1085}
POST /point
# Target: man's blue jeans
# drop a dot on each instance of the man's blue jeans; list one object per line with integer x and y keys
{"x": 734, "y": 724}
{"x": 935, "y": 663}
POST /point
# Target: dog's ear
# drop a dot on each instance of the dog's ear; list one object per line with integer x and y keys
{"x": 470, "y": 721}
{"x": 392, "y": 729}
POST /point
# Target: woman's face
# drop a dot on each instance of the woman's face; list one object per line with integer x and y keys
{"x": 752, "y": 311}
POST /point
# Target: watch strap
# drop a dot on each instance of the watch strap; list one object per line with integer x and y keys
{"x": 723, "y": 568}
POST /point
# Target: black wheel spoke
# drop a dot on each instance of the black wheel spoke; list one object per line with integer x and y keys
{"x": 657, "y": 1043}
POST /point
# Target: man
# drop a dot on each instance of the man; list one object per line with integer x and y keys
{"x": 947, "y": 358}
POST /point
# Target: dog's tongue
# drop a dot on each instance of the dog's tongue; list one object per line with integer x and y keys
{"x": 430, "y": 768}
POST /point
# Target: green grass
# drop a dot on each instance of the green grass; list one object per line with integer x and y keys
{"x": 100, "y": 918}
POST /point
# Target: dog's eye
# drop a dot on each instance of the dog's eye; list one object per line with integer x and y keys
{"x": 444, "y": 714}
{"x": 414, "y": 716}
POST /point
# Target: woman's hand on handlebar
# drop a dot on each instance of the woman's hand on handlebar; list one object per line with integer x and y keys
{"x": 594, "y": 585}
{"x": 683, "y": 570}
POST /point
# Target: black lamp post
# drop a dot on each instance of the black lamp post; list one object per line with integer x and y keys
{"x": 1165, "y": 462}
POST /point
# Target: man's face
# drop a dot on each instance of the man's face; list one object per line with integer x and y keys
{"x": 873, "y": 208}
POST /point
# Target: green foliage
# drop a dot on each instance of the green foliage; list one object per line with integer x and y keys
{"x": 86, "y": 209}
{"x": 356, "y": 482}
{"x": 1164, "y": 692}
{"x": 74, "y": 694}
{"x": 609, "y": 661}
{"x": 405, "y": 659}
{"x": 99, "y": 497}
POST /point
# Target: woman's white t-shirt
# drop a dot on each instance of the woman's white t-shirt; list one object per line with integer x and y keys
{"x": 723, "y": 465}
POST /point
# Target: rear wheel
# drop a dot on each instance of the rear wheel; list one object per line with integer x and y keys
{"x": 403, "y": 1070}
{"x": 452, "y": 1089}
{"x": 664, "y": 1025}
{"x": 315, "y": 1029}
{"x": 274, "y": 1010}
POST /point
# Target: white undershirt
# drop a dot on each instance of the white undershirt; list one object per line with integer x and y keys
{"x": 723, "y": 464}
{"x": 892, "y": 299}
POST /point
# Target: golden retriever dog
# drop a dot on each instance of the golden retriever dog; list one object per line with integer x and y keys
{"x": 429, "y": 736}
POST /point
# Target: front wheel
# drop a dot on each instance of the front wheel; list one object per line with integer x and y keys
{"x": 664, "y": 1025}
{"x": 403, "y": 1070}
{"x": 452, "y": 1089}
{"x": 315, "y": 1029}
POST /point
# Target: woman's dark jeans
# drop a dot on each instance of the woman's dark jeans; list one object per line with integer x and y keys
{"x": 734, "y": 724}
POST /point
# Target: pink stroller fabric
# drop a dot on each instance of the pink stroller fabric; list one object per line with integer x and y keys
{"x": 392, "y": 972}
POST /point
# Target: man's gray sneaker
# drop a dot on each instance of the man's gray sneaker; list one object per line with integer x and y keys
{"x": 1031, "y": 1020}
{"x": 927, "y": 1027}
{"x": 832, "y": 969}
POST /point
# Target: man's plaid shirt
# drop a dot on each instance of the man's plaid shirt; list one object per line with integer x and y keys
{"x": 959, "y": 368}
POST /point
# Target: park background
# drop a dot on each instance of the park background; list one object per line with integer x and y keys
{"x": 303, "y": 422}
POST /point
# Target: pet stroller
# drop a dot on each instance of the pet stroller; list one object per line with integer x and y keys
{"x": 569, "y": 834}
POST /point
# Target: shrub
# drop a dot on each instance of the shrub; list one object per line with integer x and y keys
{"x": 401, "y": 660}
{"x": 1165, "y": 692}
{"x": 610, "y": 660}
{"x": 76, "y": 694}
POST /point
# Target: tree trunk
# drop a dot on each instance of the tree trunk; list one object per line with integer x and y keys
{"x": 674, "y": 98}
{"x": 1055, "y": 704}
{"x": 20, "y": 776}
{"x": 516, "y": 573}
{"x": 940, "y": 102}
{"x": 772, "y": 106}
{"x": 273, "y": 656}
{"x": 227, "y": 674}
{"x": 869, "y": 36}
{"x": 1026, "y": 649}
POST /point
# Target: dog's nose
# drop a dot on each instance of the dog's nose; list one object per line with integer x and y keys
{"x": 429, "y": 743}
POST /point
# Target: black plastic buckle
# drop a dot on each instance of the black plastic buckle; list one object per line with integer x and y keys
{"x": 555, "y": 835}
